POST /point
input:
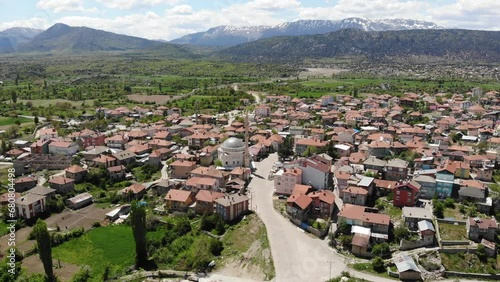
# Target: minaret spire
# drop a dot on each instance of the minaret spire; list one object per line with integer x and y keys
{"x": 246, "y": 154}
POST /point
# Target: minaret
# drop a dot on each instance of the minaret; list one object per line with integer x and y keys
{"x": 246, "y": 154}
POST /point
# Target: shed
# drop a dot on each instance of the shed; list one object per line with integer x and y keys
{"x": 79, "y": 201}
{"x": 407, "y": 268}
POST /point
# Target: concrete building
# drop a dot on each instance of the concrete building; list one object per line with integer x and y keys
{"x": 285, "y": 180}
{"x": 232, "y": 206}
{"x": 30, "y": 205}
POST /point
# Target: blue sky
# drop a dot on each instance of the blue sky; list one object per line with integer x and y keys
{"x": 169, "y": 19}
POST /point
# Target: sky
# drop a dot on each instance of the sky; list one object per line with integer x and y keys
{"x": 170, "y": 19}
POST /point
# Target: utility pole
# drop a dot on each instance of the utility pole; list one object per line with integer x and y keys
{"x": 330, "y": 262}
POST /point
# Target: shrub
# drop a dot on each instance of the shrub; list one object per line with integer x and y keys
{"x": 449, "y": 203}
{"x": 381, "y": 249}
{"x": 401, "y": 232}
{"x": 378, "y": 264}
{"x": 96, "y": 224}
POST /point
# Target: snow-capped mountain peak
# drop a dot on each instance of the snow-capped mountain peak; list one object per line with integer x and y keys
{"x": 233, "y": 35}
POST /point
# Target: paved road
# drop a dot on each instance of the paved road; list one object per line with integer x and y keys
{"x": 297, "y": 256}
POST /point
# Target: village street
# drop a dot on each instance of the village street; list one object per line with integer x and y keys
{"x": 297, "y": 256}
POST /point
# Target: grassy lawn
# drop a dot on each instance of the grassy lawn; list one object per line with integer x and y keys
{"x": 240, "y": 239}
{"x": 111, "y": 246}
{"x": 452, "y": 232}
{"x": 366, "y": 267}
{"x": 10, "y": 121}
{"x": 466, "y": 262}
{"x": 452, "y": 213}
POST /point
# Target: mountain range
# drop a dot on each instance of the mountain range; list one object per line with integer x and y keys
{"x": 367, "y": 42}
{"x": 466, "y": 45}
{"x": 12, "y": 37}
{"x": 230, "y": 35}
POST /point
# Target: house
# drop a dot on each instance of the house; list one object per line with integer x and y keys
{"x": 40, "y": 147}
{"x": 179, "y": 199}
{"x": 340, "y": 180}
{"x": 427, "y": 185}
{"x": 104, "y": 161}
{"x": 379, "y": 149}
{"x": 396, "y": 169}
{"x": 63, "y": 148}
{"x": 124, "y": 158}
{"x": 195, "y": 184}
{"x": 182, "y": 169}
{"x": 472, "y": 190}
{"x": 285, "y": 180}
{"x": 62, "y": 185}
{"x": 316, "y": 171}
{"x": 407, "y": 268}
{"x": 298, "y": 206}
{"x": 355, "y": 195}
{"x": 406, "y": 193}
{"x": 25, "y": 183}
{"x": 355, "y": 215}
{"x": 117, "y": 172}
{"x": 426, "y": 232}
{"x": 445, "y": 177}
{"x": 208, "y": 155}
{"x": 210, "y": 172}
{"x": 135, "y": 191}
{"x": 75, "y": 172}
{"x": 481, "y": 228}
{"x": 117, "y": 141}
{"x": 413, "y": 215}
{"x": 323, "y": 203}
{"x": 47, "y": 133}
{"x": 205, "y": 201}
{"x": 87, "y": 137}
{"x": 232, "y": 206}
{"x": 43, "y": 191}
{"x": 360, "y": 244}
{"x": 240, "y": 173}
{"x": 93, "y": 152}
{"x": 262, "y": 111}
{"x": 79, "y": 201}
{"x": 302, "y": 144}
{"x": 30, "y": 205}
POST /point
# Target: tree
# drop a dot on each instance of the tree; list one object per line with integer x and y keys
{"x": 378, "y": 264}
{"x": 310, "y": 150}
{"x": 343, "y": 227}
{"x": 43, "y": 244}
{"x": 138, "y": 221}
{"x": 285, "y": 150}
{"x": 401, "y": 232}
{"x": 13, "y": 96}
{"x": 381, "y": 249}
{"x": 36, "y": 120}
{"x": 218, "y": 162}
{"x": 438, "y": 209}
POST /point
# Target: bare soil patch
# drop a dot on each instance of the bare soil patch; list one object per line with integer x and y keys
{"x": 32, "y": 264}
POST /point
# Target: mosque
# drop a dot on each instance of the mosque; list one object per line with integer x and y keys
{"x": 234, "y": 152}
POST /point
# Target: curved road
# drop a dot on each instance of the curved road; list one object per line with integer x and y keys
{"x": 297, "y": 255}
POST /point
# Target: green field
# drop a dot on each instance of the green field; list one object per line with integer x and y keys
{"x": 111, "y": 246}
{"x": 10, "y": 121}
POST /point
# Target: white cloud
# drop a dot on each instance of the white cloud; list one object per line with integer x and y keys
{"x": 473, "y": 14}
{"x": 129, "y": 4}
{"x": 181, "y": 9}
{"x": 64, "y": 5}
{"x": 374, "y": 9}
{"x": 274, "y": 4}
{"x": 36, "y": 22}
